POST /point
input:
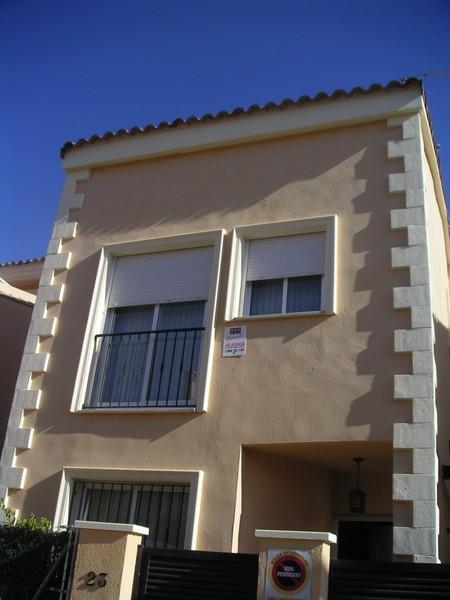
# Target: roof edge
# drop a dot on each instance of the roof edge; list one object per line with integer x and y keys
{"x": 16, "y": 294}
{"x": 248, "y": 128}
{"x": 239, "y": 111}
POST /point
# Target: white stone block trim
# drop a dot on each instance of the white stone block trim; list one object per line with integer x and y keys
{"x": 58, "y": 262}
{"x": 23, "y": 438}
{"x": 414, "y": 435}
{"x": 413, "y": 487}
{"x": 407, "y": 297}
{"x": 424, "y": 514}
{"x": 28, "y": 399}
{"x": 65, "y": 231}
{"x": 51, "y": 293}
{"x": 400, "y": 182}
{"x": 400, "y": 148}
{"x": 416, "y": 542}
{"x": 33, "y": 362}
{"x": 421, "y": 316}
{"x": 423, "y": 361}
{"x": 418, "y": 275}
{"x": 410, "y": 255}
{"x": 417, "y": 235}
{"x": 36, "y": 363}
{"x": 413, "y": 386}
{"x": 31, "y": 343}
{"x": 408, "y": 340}
{"x": 12, "y": 477}
{"x": 423, "y": 460}
{"x": 419, "y": 437}
{"x": 44, "y": 327}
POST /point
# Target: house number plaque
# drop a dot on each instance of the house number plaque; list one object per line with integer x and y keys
{"x": 96, "y": 579}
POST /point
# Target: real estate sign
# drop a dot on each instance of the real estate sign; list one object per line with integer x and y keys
{"x": 235, "y": 341}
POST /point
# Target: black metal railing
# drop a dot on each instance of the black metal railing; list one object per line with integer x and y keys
{"x": 146, "y": 369}
{"x": 58, "y": 582}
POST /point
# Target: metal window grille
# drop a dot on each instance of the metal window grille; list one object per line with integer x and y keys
{"x": 160, "y": 507}
{"x": 146, "y": 368}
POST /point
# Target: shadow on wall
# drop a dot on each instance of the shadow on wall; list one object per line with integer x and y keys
{"x": 232, "y": 186}
{"x": 280, "y": 492}
{"x": 15, "y": 319}
{"x": 224, "y": 187}
{"x": 377, "y": 317}
{"x": 40, "y": 498}
{"x": 441, "y": 348}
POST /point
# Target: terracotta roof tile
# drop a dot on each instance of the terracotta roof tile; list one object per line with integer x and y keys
{"x": 25, "y": 261}
{"x": 224, "y": 114}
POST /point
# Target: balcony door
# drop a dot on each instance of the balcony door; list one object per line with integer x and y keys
{"x": 149, "y": 356}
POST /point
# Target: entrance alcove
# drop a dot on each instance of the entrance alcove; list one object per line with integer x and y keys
{"x": 305, "y": 487}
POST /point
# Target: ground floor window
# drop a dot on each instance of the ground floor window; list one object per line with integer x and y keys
{"x": 160, "y": 507}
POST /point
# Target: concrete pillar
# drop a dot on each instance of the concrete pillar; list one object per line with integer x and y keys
{"x": 294, "y": 564}
{"x": 106, "y": 560}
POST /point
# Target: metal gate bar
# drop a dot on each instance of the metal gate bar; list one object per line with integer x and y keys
{"x": 196, "y": 575}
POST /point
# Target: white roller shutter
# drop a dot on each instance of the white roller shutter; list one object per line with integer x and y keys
{"x": 288, "y": 256}
{"x": 159, "y": 277}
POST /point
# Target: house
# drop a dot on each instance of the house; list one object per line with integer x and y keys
{"x": 232, "y": 309}
{"x": 23, "y": 274}
{"x": 16, "y": 306}
{"x": 19, "y": 281}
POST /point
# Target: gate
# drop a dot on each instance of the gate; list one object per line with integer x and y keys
{"x": 194, "y": 575}
{"x": 363, "y": 580}
{"x": 191, "y": 575}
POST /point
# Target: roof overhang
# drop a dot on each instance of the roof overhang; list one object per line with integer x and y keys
{"x": 327, "y": 113}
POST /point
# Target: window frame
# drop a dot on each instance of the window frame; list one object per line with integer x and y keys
{"x": 237, "y": 283}
{"x": 140, "y": 476}
{"x": 99, "y": 309}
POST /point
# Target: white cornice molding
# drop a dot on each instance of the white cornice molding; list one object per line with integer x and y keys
{"x": 324, "y": 114}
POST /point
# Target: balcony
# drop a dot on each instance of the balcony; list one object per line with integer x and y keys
{"x": 146, "y": 369}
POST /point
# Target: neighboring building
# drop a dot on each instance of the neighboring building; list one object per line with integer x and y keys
{"x": 319, "y": 225}
{"x": 23, "y": 274}
{"x": 15, "y": 315}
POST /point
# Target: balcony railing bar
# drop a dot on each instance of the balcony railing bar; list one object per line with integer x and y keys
{"x": 182, "y": 329}
{"x": 121, "y": 378}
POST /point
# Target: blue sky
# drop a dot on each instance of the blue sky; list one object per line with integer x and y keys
{"x": 74, "y": 68}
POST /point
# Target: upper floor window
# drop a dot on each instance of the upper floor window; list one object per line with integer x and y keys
{"x": 148, "y": 354}
{"x": 149, "y": 357}
{"x": 282, "y": 268}
{"x": 284, "y": 274}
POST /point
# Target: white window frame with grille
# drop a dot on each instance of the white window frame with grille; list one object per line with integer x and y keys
{"x": 237, "y": 306}
{"x": 99, "y": 310}
{"x": 194, "y": 479}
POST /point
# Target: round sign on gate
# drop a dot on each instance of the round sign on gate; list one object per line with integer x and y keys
{"x": 289, "y": 572}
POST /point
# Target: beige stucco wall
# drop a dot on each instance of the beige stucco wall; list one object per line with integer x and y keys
{"x": 280, "y": 492}
{"x": 440, "y": 308}
{"x": 14, "y": 322}
{"x": 316, "y": 378}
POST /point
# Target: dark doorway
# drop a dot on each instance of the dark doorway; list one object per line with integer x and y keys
{"x": 365, "y": 540}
